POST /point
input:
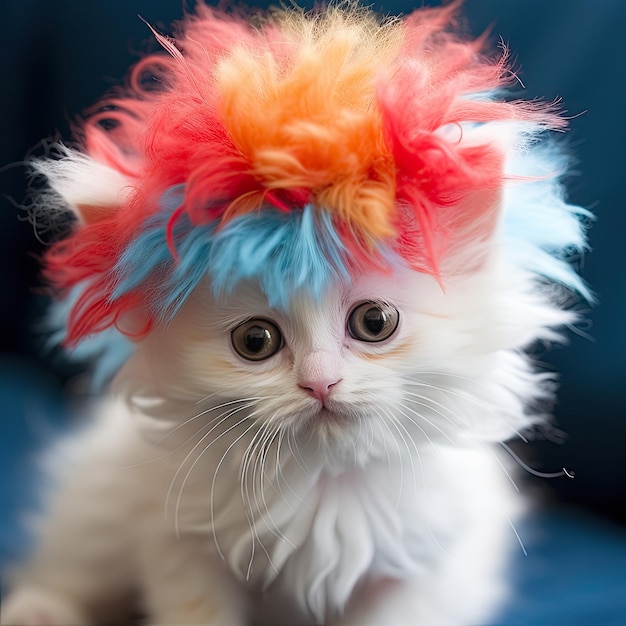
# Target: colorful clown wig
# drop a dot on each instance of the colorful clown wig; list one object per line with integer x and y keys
{"x": 297, "y": 149}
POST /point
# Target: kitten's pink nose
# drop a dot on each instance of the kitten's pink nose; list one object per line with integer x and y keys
{"x": 319, "y": 389}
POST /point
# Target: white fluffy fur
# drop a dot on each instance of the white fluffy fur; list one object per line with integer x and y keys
{"x": 215, "y": 489}
{"x": 100, "y": 185}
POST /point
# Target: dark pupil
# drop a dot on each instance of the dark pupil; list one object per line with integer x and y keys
{"x": 374, "y": 320}
{"x": 256, "y": 338}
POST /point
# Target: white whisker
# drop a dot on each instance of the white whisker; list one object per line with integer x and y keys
{"x": 205, "y": 398}
{"x": 175, "y": 450}
{"x": 370, "y": 443}
{"x": 423, "y": 418}
{"x": 206, "y": 412}
{"x": 274, "y": 528}
{"x": 355, "y": 442}
{"x": 398, "y": 425}
{"x": 265, "y": 444}
{"x": 534, "y": 472}
{"x": 278, "y": 473}
{"x": 462, "y": 396}
{"x": 519, "y": 539}
{"x": 227, "y": 416}
{"x": 430, "y": 403}
{"x": 295, "y": 453}
{"x": 217, "y": 469}
{"x": 377, "y": 422}
{"x": 250, "y": 454}
{"x": 399, "y": 464}
{"x": 493, "y": 453}
{"x": 280, "y": 477}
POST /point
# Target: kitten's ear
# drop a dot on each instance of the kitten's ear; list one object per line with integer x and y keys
{"x": 91, "y": 189}
{"x": 135, "y": 324}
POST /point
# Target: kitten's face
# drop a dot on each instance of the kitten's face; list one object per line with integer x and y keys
{"x": 354, "y": 371}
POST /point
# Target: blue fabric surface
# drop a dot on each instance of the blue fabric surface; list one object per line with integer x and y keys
{"x": 574, "y": 573}
{"x": 32, "y": 411}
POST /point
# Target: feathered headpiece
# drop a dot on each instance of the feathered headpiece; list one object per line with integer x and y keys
{"x": 294, "y": 149}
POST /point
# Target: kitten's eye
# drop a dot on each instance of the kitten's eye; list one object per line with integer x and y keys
{"x": 256, "y": 339}
{"x": 372, "y": 321}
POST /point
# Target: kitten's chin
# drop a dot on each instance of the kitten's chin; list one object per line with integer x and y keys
{"x": 329, "y": 423}
{"x": 326, "y": 417}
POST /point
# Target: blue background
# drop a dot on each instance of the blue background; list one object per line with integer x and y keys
{"x": 58, "y": 57}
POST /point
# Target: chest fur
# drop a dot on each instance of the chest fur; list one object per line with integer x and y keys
{"x": 312, "y": 542}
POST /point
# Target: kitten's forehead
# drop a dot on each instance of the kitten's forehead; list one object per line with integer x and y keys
{"x": 303, "y": 309}
{"x": 398, "y": 284}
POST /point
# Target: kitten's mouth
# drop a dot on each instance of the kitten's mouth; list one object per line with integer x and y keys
{"x": 326, "y": 416}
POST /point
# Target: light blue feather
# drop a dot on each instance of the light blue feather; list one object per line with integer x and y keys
{"x": 284, "y": 252}
{"x": 543, "y": 233}
{"x": 104, "y": 352}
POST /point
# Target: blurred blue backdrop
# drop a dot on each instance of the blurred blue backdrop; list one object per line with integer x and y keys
{"x": 59, "y": 57}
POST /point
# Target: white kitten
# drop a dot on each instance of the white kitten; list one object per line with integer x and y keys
{"x": 334, "y": 297}
{"x": 338, "y": 480}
